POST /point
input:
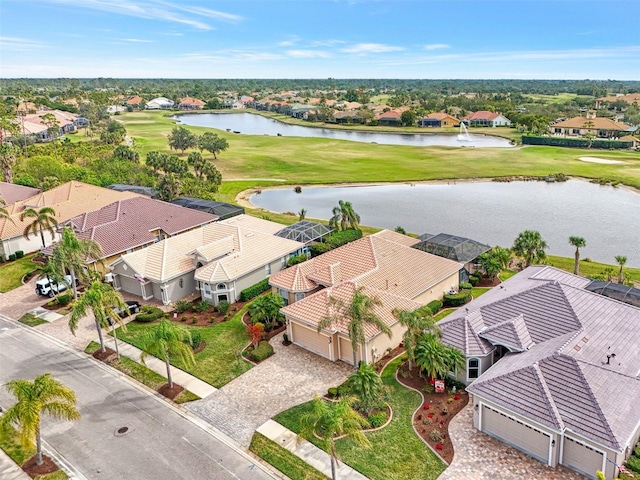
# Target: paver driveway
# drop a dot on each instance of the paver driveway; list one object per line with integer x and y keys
{"x": 290, "y": 377}
{"x": 479, "y": 457}
{"x": 15, "y": 303}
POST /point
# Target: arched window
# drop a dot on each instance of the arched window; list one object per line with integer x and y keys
{"x": 221, "y": 286}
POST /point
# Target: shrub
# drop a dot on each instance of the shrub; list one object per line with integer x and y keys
{"x": 434, "y": 306}
{"x": 194, "y": 319}
{"x": 474, "y": 280}
{"x": 452, "y": 382}
{"x": 1, "y": 258}
{"x": 318, "y": 249}
{"x": 182, "y": 306}
{"x": 264, "y": 350}
{"x": 428, "y": 388}
{"x": 297, "y": 259}
{"x": 64, "y": 299}
{"x": 149, "y": 314}
{"x": 12, "y": 257}
{"x": 19, "y": 254}
{"x": 435, "y": 436}
{"x": 466, "y": 286}
{"x": 184, "y": 318}
{"x": 223, "y": 307}
{"x": 457, "y": 299}
{"x": 285, "y": 338}
{"x": 332, "y": 392}
{"x": 196, "y": 338}
{"x": 337, "y": 239}
{"x": 344, "y": 389}
{"x": 377, "y": 419}
{"x": 212, "y": 319}
{"x": 201, "y": 306}
{"x": 634, "y": 464}
{"x": 254, "y": 290}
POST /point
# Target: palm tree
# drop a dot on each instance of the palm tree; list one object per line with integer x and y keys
{"x": 302, "y": 214}
{"x": 44, "y": 395}
{"x": 621, "y": 261}
{"x": 344, "y": 215}
{"x": 531, "y": 246}
{"x": 358, "y": 312}
{"x": 579, "y": 243}
{"x": 328, "y": 420}
{"x": 454, "y": 358}
{"x": 50, "y": 272}
{"x": 491, "y": 264}
{"x": 430, "y": 356}
{"x": 367, "y": 386}
{"x": 168, "y": 339}
{"x": 7, "y": 161}
{"x": 72, "y": 254}
{"x": 266, "y": 309}
{"x": 101, "y": 299}
{"x": 45, "y": 219}
{"x": 4, "y": 213}
{"x": 417, "y": 322}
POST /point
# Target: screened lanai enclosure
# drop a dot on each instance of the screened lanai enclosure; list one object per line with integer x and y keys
{"x": 616, "y": 291}
{"x": 460, "y": 249}
{"x": 222, "y": 210}
{"x": 148, "y": 191}
{"x": 305, "y": 232}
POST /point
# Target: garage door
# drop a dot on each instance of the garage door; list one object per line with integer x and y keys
{"x": 346, "y": 350}
{"x": 580, "y": 457}
{"x": 515, "y": 433}
{"x": 310, "y": 339}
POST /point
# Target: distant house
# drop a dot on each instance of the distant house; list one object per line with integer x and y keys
{"x": 160, "y": 103}
{"x": 347, "y": 116}
{"x": 189, "y": 103}
{"x": 553, "y": 369}
{"x": 237, "y": 105}
{"x": 219, "y": 260}
{"x": 34, "y": 126}
{"x": 629, "y": 98}
{"x": 299, "y": 110}
{"x": 600, "y": 127}
{"x": 389, "y": 119}
{"x": 484, "y": 118}
{"x": 135, "y": 102}
{"x": 438, "y": 119}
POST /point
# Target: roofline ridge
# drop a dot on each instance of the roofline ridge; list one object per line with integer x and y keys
{"x": 547, "y": 393}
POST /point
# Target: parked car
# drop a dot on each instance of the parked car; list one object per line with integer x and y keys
{"x": 132, "y": 307}
{"x": 46, "y": 289}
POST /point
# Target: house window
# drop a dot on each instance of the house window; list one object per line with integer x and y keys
{"x": 267, "y": 269}
{"x": 207, "y": 289}
{"x": 299, "y": 296}
{"x": 473, "y": 368}
{"x": 283, "y": 262}
{"x": 221, "y": 286}
{"x": 576, "y": 131}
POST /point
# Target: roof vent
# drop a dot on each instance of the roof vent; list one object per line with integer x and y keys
{"x": 609, "y": 357}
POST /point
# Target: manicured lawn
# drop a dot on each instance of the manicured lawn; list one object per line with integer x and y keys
{"x": 10, "y": 443}
{"x": 292, "y": 466}
{"x": 220, "y": 361}
{"x": 396, "y": 453}
{"x": 591, "y": 269}
{"x": 11, "y": 273}
{"x": 31, "y": 320}
{"x": 443, "y": 313}
{"x": 477, "y": 291}
{"x": 142, "y": 374}
{"x": 506, "y": 274}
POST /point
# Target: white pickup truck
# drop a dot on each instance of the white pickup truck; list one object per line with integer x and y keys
{"x": 45, "y": 288}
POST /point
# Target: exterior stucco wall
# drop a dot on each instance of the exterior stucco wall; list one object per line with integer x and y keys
{"x": 376, "y": 348}
{"x": 437, "y": 291}
{"x": 33, "y": 244}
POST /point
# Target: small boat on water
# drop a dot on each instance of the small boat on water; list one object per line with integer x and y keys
{"x": 236, "y": 131}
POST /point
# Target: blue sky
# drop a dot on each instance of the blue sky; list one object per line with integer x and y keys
{"x": 528, "y": 39}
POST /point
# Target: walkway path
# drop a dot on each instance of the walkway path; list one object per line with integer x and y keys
{"x": 290, "y": 377}
{"x": 307, "y": 451}
{"x": 9, "y": 470}
{"x": 479, "y": 456}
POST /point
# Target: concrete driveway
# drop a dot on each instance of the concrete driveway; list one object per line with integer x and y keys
{"x": 289, "y": 377}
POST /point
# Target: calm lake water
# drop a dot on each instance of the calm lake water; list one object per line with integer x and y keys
{"x": 247, "y": 123}
{"x": 493, "y": 213}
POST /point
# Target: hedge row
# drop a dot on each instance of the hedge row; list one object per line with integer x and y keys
{"x": 335, "y": 240}
{"x": 457, "y": 299}
{"x": 434, "y": 306}
{"x": 264, "y": 350}
{"x": 254, "y": 290}
{"x": 149, "y": 314}
{"x": 575, "y": 142}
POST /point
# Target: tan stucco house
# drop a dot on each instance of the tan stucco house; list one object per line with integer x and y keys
{"x": 386, "y": 266}
{"x": 554, "y": 369}
{"x": 600, "y": 127}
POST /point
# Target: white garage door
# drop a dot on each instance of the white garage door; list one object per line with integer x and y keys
{"x": 581, "y": 458}
{"x": 515, "y": 433}
{"x": 310, "y": 339}
{"x": 346, "y": 351}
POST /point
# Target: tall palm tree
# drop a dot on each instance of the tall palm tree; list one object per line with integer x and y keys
{"x": 417, "y": 322}
{"x": 168, "y": 339}
{"x": 621, "y": 261}
{"x": 367, "y": 386}
{"x": 579, "y": 243}
{"x": 44, "y": 219}
{"x": 101, "y": 299}
{"x": 358, "y": 312}
{"x": 531, "y": 246}
{"x": 8, "y": 159}
{"x": 72, "y": 254}
{"x": 44, "y": 395}
{"x": 329, "y": 420}
{"x": 430, "y": 356}
{"x": 344, "y": 215}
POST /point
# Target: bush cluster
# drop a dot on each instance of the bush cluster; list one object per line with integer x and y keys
{"x": 182, "y": 306}
{"x": 434, "y": 306}
{"x": 377, "y": 419}
{"x": 64, "y": 299}
{"x": 575, "y": 142}
{"x": 196, "y": 338}
{"x": 264, "y": 350}
{"x": 465, "y": 286}
{"x": 474, "y": 280}
{"x": 19, "y": 254}
{"x": 148, "y": 314}
{"x": 457, "y": 299}
{"x": 12, "y": 257}
{"x": 335, "y": 240}
{"x": 296, "y": 260}
{"x": 223, "y": 307}
{"x": 254, "y": 290}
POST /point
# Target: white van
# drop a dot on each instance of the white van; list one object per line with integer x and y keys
{"x": 46, "y": 289}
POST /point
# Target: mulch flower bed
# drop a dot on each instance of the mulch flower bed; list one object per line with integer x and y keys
{"x": 487, "y": 282}
{"x": 170, "y": 393}
{"x": 32, "y": 469}
{"x": 204, "y": 319}
{"x": 431, "y": 417}
{"x": 246, "y": 319}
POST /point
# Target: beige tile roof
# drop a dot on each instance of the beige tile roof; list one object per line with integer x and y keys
{"x": 599, "y": 123}
{"x": 630, "y": 98}
{"x": 373, "y": 261}
{"x": 396, "y": 237}
{"x": 11, "y": 193}
{"x": 68, "y": 200}
{"x": 192, "y": 101}
{"x": 254, "y": 223}
{"x": 313, "y": 309}
{"x": 173, "y": 256}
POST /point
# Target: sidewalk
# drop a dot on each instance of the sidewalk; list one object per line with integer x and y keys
{"x": 307, "y": 451}
{"x": 189, "y": 382}
{"x": 9, "y": 470}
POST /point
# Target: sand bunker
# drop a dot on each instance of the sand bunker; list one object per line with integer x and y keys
{"x": 598, "y": 160}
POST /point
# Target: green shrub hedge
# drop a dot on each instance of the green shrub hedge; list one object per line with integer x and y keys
{"x": 12, "y": 257}
{"x": 223, "y": 307}
{"x": 296, "y": 260}
{"x": 254, "y": 290}
{"x": 65, "y": 298}
{"x": 19, "y": 254}
{"x": 337, "y": 239}
{"x": 182, "y": 306}
{"x": 148, "y": 314}
{"x": 434, "y": 306}
{"x": 575, "y": 142}
{"x": 474, "y": 280}
{"x": 457, "y": 299}
{"x": 378, "y": 419}
{"x": 196, "y": 338}
{"x": 465, "y": 286}
{"x": 264, "y": 350}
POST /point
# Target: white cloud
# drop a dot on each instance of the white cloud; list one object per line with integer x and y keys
{"x": 20, "y": 44}
{"x": 206, "y": 12}
{"x": 138, "y": 40}
{"x": 364, "y": 48}
{"x": 436, "y": 46}
{"x": 286, "y": 43}
{"x": 326, "y": 43}
{"x": 308, "y": 54}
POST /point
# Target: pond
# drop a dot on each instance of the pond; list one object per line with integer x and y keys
{"x": 490, "y": 212}
{"x": 247, "y": 123}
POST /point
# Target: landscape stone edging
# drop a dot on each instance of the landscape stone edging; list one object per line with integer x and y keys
{"x": 414, "y": 414}
{"x": 247, "y": 345}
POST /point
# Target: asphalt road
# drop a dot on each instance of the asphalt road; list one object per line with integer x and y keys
{"x": 161, "y": 442}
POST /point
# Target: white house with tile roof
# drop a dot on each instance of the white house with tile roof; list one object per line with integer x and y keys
{"x": 386, "y": 266}
{"x": 554, "y": 369}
